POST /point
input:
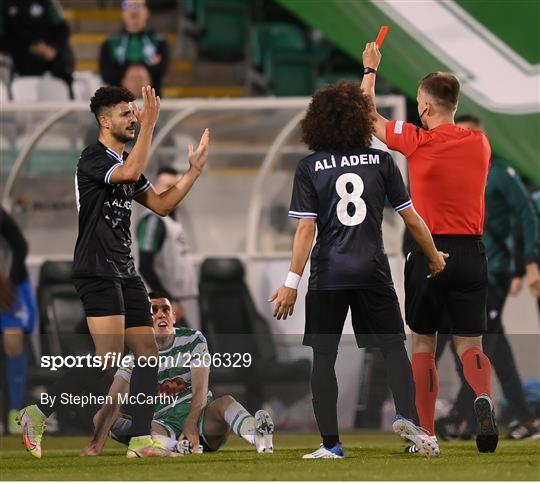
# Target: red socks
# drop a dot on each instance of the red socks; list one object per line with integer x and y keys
{"x": 477, "y": 370}
{"x": 426, "y": 381}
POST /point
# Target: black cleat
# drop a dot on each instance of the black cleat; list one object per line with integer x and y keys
{"x": 411, "y": 449}
{"x": 488, "y": 434}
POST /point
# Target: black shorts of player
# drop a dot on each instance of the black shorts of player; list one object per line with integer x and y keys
{"x": 376, "y": 317}
{"x": 109, "y": 296}
{"x": 459, "y": 293}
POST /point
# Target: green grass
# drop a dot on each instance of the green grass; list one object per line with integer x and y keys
{"x": 369, "y": 457}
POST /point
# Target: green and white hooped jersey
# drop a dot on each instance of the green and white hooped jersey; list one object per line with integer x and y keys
{"x": 174, "y": 374}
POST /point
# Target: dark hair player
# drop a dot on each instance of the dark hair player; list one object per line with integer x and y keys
{"x": 114, "y": 298}
{"x": 341, "y": 188}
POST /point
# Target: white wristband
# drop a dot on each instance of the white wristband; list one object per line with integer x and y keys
{"x": 292, "y": 280}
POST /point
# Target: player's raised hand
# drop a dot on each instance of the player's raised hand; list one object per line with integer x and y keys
{"x": 197, "y": 158}
{"x": 285, "y": 298}
{"x": 371, "y": 57}
{"x": 437, "y": 265}
{"x": 149, "y": 113}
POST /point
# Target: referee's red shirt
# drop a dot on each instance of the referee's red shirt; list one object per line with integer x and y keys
{"x": 448, "y": 168}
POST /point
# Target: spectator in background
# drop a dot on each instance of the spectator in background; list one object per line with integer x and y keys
{"x": 136, "y": 43}
{"x": 164, "y": 259}
{"x": 135, "y": 78}
{"x": 36, "y": 36}
{"x": 520, "y": 272}
{"x": 19, "y": 318}
{"x": 507, "y": 201}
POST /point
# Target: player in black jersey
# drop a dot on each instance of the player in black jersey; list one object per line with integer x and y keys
{"x": 341, "y": 189}
{"x": 114, "y": 298}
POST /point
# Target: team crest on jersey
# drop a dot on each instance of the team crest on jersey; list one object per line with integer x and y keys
{"x": 129, "y": 189}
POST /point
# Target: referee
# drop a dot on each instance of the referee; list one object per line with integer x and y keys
{"x": 448, "y": 168}
{"x": 114, "y": 298}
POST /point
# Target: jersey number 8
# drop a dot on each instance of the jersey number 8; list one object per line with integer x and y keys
{"x": 354, "y": 197}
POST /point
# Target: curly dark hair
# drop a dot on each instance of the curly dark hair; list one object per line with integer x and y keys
{"x": 108, "y": 96}
{"x": 338, "y": 119}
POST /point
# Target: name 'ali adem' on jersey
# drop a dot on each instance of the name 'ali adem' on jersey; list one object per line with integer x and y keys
{"x": 352, "y": 160}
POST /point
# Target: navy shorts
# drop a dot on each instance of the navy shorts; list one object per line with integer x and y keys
{"x": 376, "y": 317}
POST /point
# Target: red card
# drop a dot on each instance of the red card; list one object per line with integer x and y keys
{"x": 382, "y": 35}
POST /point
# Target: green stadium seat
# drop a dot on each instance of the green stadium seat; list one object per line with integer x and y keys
{"x": 283, "y": 57}
{"x": 336, "y": 65}
{"x": 232, "y": 324}
{"x": 221, "y": 27}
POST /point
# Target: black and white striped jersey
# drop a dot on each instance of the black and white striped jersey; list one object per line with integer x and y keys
{"x": 345, "y": 193}
{"x": 103, "y": 246}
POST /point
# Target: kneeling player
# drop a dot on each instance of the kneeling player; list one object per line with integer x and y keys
{"x": 194, "y": 420}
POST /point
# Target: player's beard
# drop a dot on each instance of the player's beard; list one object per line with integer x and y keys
{"x": 124, "y": 136}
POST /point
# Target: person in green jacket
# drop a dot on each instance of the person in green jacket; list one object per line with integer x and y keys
{"x": 136, "y": 44}
{"x": 520, "y": 274}
{"x": 507, "y": 202}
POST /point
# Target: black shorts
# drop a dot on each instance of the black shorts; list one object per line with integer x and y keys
{"x": 459, "y": 292}
{"x": 376, "y": 317}
{"x": 103, "y": 296}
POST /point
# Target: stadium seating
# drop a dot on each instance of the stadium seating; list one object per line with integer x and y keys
{"x": 232, "y": 324}
{"x": 282, "y": 61}
{"x": 221, "y": 27}
{"x": 85, "y": 83}
{"x": 36, "y": 88}
{"x": 336, "y": 65}
{"x": 60, "y": 311}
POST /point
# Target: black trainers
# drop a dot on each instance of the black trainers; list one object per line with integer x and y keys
{"x": 411, "y": 449}
{"x": 488, "y": 434}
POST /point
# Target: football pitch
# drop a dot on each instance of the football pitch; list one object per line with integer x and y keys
{"x": 369, "y": 456}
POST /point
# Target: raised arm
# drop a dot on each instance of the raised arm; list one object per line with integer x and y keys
{"x": 285, "y": 296}
{"x": 371, "y": 58}
{"x": 132, "y": 168}
{"x": 165, "y": 202}
{"x": 418, "y": 229}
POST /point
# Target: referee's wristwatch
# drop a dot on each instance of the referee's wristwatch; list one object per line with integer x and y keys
{"x": 369, "y": 70}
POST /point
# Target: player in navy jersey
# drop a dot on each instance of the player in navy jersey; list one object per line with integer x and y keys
{"x": 113, "y": 295}
{"x": 341, "y": 189}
